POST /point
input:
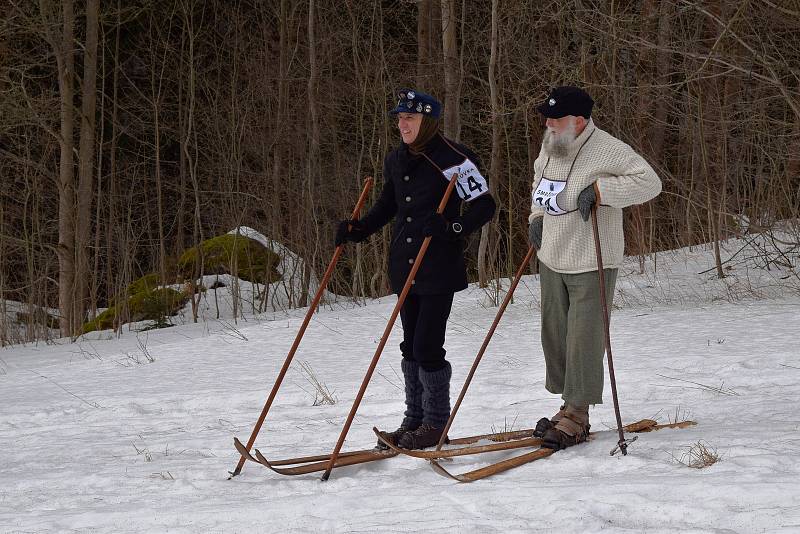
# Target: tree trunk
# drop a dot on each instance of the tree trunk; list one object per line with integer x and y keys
{"x": 793, "y": 167}
{"x": 66, "y": 175}
{"x": 423, "y": 42}
{"x": 279, "y": 142}
{"x": 180, "y": 215}
{"x": 647, "y": 128}
{"x": 98, "y": 209}
{"x": 657, "y": 132}
{"x": 712, "y": 136}
{"x": 113, "y": 263}
{"x": 155, "y": 97}
{"x": 190, "y": 148}
{"x": 83, "y": 216}
{"x": 494, "y": 168}
{"x": 451, "y": 70}
{"x": 313, "y": 153}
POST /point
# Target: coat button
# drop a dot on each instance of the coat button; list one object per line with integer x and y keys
{"x": 411, "y": 261}
{"x": 406, "y": 178}
{"x": 413, "y": 282}
{"x": 408, "y": 199}
{"x": 409, "y": 219}
{"x": 408, "y": 240}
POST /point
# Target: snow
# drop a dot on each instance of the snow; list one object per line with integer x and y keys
{"x": 134, "y": 432}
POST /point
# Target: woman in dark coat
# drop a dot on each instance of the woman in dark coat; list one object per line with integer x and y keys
{"x": 416, "y": 175}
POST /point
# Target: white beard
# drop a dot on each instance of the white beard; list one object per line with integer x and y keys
{"x": 558, "y": 144}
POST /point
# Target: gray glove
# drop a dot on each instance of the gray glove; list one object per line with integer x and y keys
{"x": 586, "y": 200}
{"x": 535, "y": 232}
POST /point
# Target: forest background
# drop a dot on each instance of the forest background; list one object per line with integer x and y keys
{"x": 131, "y": 131}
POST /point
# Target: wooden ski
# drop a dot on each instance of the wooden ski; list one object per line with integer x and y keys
{"x": 311, "y": 464}
{"x": 291, "y": 461}
{"x": 491, "y": 469}
{"x": 645, "y": 425}
{"x": 360, "y": 457}
{"x": 499, "y": 445}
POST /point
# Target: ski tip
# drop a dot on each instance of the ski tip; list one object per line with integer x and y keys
{"x": 262, "y": 459}
{"x": 439, "y": 470}
{"x": 242, "y": 450}
{"x": 382, "y": 437}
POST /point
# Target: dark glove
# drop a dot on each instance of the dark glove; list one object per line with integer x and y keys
{"x": 351, "y": 230}
{"x": 535, "y": 232}
{"x": 437, "y": 226}
{"x": 586, "y": 200}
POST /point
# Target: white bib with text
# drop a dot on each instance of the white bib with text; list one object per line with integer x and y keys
{"x": 470, "y": 183}
{"x": 545, "y": 196}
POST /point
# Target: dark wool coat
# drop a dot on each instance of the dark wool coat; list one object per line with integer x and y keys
{"x": 412, "y": 189}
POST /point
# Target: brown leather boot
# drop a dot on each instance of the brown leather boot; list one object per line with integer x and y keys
{"x": 424, "y": 436}
{"x": 544, "y": 424}
{"x": 571, "y": 429}
{"x": 408, "y": 425}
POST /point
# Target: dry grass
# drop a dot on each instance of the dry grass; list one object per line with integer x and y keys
{"x": 142, "y": 344}
{"x": 680, "y": 414}
{"x": 698, "y": 456}
{"x": 508, "y": 426}
{"x": 721, "y": 389}
{"x": 322, "y": 395}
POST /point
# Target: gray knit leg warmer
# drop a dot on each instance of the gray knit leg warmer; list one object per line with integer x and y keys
{"x": 436, "y": 395}
{"x": 413, "y": 413}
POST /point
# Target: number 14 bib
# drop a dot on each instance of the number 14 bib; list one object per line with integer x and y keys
{"x": 470, "y": 183}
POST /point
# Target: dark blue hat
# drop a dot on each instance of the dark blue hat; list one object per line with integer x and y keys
{"x": 411, "y": 101}
{"x": 566, "y": 100}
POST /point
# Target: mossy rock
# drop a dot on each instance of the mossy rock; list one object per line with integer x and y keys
{"x": 253, "y": 261}
{"x": 146, "y": 305}
{"x": 104, "y": 321}
{"x": 146, "y": 283}
{"x": 156, "y": 304}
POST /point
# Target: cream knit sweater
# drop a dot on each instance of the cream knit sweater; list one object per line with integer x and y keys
{"x": 623, "y": 178}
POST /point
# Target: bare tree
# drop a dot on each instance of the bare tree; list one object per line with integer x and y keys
{"x": 86, "y": 161}
{"x": 62, "y": 46}
{"x": 212, "y": 114}
{"x": 494, "y": 167}
{"x": 451, "y": 70}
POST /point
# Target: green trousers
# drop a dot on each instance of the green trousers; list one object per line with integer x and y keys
{"x": 573, "y": 336}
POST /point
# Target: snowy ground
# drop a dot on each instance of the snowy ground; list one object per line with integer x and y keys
{"x": 135, "y": 434}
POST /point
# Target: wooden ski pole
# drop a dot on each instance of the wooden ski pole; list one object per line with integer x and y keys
{"x": 322, "y": 285}
{"x": 623, "y": 445}
{"x": 400, "y": 299}
{"x": 486, "y": 340}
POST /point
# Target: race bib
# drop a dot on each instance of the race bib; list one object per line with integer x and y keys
{"x": 470, "y": 184}
{"x": 544, "y": 196}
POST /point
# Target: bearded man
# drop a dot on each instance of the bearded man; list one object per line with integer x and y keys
{"x": 579, "y": 166}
